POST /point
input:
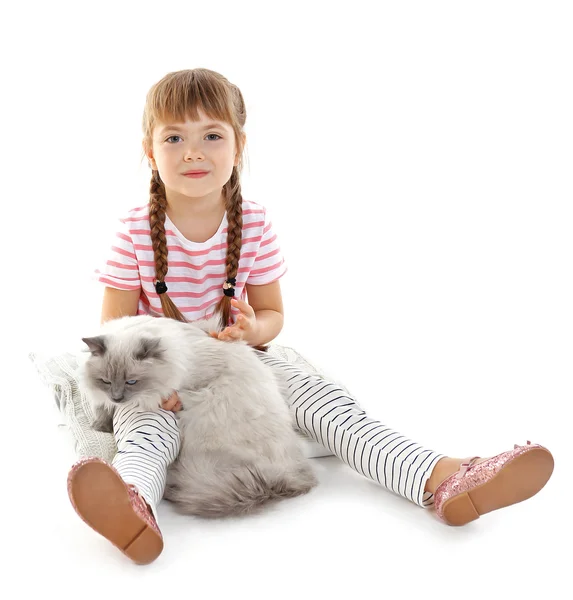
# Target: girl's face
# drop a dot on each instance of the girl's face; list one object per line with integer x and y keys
{"x": 205, "y": 145}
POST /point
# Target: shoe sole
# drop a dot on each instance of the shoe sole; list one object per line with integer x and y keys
{"x": 101, "y": 499}
{"x": 519, "y": 479}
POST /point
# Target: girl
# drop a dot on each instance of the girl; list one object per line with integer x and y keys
{"x": 198, "y": 248}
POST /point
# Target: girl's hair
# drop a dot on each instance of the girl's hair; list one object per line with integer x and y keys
{"x": 176, "y": 97}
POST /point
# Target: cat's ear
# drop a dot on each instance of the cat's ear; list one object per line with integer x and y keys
{"x": 148, "y": 348}
{"x": 96, "y": 345}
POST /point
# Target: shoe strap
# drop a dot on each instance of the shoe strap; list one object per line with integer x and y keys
{"x": 465, "y": 466}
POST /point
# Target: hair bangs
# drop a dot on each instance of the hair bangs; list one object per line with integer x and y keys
{"x": 180, "y": 96}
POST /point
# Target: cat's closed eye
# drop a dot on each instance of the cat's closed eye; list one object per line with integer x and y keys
{"x": 105, "y": 381}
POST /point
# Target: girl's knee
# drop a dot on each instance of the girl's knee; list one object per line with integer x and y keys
{"x": 127, "y": 418}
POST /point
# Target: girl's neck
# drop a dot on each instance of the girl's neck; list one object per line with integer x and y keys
{"x": 183, "y": 207}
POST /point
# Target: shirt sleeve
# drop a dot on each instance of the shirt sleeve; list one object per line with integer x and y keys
{"x": 269, "y": 264}
{"x": 120, "y": 270}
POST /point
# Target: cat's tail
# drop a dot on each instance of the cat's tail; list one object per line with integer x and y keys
{"x": 241, "y": 491}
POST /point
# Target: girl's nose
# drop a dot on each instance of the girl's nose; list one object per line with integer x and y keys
{"x": 193, "y": 154}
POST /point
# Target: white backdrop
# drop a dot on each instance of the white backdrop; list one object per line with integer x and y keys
{"x": 416, "y": 160}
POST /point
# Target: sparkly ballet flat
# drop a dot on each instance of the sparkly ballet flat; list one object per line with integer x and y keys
{"x": 114, "y": 509}
{"x": 481, "y": 486}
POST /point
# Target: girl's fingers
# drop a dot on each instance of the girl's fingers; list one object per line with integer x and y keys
{"x": 230, "y": 334}
{"x": 168, "y": 404}
{"x": 245, "y": 323}
{"x": 245, "y": 308}
{"x": 171, "y": 402}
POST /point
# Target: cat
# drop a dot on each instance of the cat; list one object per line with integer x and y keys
{"x": 239, "y": 446}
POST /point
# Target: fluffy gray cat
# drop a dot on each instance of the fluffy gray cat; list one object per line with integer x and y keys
{"x": 239, "y": 447}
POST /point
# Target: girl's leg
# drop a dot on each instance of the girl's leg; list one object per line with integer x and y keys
{"x": 330, "y": 416}
{"x": 119, "y": 501}
{"x": 147, "y": 443}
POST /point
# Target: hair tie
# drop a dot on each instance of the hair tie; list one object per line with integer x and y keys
{"x": 160, "y": 287}
{"x": 229, "y": 287}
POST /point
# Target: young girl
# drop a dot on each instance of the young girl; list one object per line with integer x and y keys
{"x": 198, "y": 248}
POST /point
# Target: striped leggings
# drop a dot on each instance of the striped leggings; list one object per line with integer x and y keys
{"x": 148, "y": 442}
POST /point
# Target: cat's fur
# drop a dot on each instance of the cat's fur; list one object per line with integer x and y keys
{"x": 239, "y": 448}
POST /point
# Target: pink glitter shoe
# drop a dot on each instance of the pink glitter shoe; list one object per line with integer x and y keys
{"x": 481, "y": 486}
{"x": 114, "y": 509}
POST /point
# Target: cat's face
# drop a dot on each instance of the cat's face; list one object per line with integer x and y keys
{"x": 122, "y": 370}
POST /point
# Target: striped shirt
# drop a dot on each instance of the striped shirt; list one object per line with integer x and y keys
{"x": 196, "y": 269}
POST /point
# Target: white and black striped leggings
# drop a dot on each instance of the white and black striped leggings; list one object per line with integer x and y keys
{"x": 148, "y": 442}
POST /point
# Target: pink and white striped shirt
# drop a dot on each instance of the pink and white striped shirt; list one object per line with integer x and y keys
{"x": 196, "y": 269}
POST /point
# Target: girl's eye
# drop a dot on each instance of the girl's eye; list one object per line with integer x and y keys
{"x": 131, "y": 382}
{"x": 106, "y": 381}
{"x": 208, "y": 135}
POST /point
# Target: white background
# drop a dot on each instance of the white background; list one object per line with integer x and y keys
{"x": 416, "y": 160}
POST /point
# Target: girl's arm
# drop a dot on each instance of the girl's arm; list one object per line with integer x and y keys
{"x": 269, "y": 325}
{"x": 119, "y": 303}
{"x": 266, "y": 301}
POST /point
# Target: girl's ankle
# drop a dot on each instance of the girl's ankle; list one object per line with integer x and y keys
{"x": 445, "y": 467}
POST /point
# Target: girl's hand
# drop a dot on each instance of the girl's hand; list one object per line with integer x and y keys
{"x": 245, "y": 327}
{"x": 172, "y": 403}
